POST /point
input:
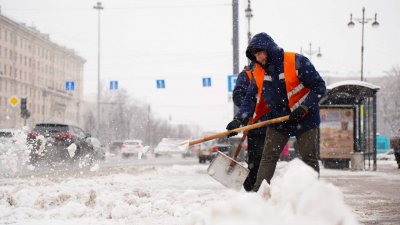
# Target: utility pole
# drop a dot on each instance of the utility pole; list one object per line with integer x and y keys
{"x": 363, "y": 21}
{"x": 311, "y": 52}
{"x": 249, "y": 15}
{"x": 235, "y": 40}
{"x": 98, "y": 7}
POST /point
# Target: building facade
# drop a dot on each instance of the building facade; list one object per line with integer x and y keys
{"x": 32, "y": 66}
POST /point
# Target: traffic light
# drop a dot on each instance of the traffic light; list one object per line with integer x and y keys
{"x": 23, "y": 104}
{"x": 24, "y": 111}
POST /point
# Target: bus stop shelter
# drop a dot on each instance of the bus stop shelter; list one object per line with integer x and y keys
{"x": 348, "y": 124}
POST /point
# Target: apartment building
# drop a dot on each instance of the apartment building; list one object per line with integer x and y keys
{"x": 32, "y": 66}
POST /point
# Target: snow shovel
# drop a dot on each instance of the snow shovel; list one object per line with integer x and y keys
{"x": 167, "y": 146}
{"x": 222, "y": 165}
{"x": 222, "y": 168}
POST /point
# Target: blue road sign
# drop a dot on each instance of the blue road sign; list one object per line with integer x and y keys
{"x": 69, "y": 85}
{"x": 207, "y": 82}
{"x": 160, "y": 83}
{"x": 232, "y": 82}
{"x": 113, "y": 85}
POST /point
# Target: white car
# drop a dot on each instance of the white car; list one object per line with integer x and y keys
{"x": 389, "y": 155}
{"x": 12, "y": 138}
{"x": 131, "y": 147}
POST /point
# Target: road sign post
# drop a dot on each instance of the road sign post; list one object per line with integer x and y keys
{"x": 160, "y": 84}
{"x": 207, "y": 82}
{"x": 113, "y": 85}
{"x": 13, "y": 101}
{"x": 69, "y": 85}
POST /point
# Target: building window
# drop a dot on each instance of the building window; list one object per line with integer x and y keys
{"x": 5, "y": 36}
{"x": 5, "y": 52}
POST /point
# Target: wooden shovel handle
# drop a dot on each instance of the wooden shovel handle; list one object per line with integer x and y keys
{"x": 241, "y": 142}
{"x": 239, "y": 147}
{"x": 240, "y": 129}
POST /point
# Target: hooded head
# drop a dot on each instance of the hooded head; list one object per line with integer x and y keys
{"x": 262, "y": 42}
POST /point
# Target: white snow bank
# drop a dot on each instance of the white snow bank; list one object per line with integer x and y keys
{"x": 172, "y": 195}
{"x": 294, "y": 197}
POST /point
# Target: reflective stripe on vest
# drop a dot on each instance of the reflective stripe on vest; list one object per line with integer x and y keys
{"x": 296, "y": 92}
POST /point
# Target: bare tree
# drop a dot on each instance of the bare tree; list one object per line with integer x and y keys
{"x": 124, "y": 117}
{"x": 389, "y": 103}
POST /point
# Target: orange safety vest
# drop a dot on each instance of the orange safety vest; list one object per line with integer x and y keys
{"x": 296, "y": 92}
{"x": 261, "y": 106}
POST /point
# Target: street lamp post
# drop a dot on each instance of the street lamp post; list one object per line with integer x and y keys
{"x": 98, "y": 7}
{"x": 363, "y": 20}
{"x": 249, "y": 15}
{"x": 311, "y": 52}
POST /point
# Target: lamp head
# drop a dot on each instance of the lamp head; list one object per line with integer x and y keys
{"x": 375, "y": 24}
{"x": 351, "y": 23}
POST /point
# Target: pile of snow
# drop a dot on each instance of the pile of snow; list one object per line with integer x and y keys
{"x": 295, "y": 197}
{"x": 172, "y": 195}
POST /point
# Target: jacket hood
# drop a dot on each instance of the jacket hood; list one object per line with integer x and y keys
{"x": 264, "y": 42}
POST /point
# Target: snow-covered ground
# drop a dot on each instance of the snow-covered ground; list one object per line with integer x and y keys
{"x": 177, "y": 194}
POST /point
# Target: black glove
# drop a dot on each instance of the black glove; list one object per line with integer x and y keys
{"x": 298, "y": 113}
{"x": 235, "y": 123}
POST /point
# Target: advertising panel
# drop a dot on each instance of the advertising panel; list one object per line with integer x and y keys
{"x": 336, "y": 133}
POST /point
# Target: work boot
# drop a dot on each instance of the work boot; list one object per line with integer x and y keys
{"x": 248, "y": 184}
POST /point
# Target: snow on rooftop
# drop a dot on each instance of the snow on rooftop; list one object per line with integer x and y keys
{"x": 352, "y": 82}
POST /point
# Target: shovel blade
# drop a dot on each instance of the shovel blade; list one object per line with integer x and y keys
{"x": 172, "y": 146}
{"x": 220, "y": 170}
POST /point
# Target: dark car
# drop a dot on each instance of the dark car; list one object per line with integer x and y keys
{"x": 115, "y": 147}
{"x": 51, "y": 141}
{"x": 208, "y": 149}
{"x": 99, "y": 149}
{"x": 222, "y": 145}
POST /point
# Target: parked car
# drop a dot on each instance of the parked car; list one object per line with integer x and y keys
{"x": 192, "y": 151}
{"x": 388, "y": 155}
{"x": 56, "y": 138}
{"x": 221, "y": 145}
{"x": 208, "y": 150}
{"x": 11, "y": 138}
{"x": 99, "y": 149}
{"x": 131, "y": 147}
{"x": 115, "y": 147}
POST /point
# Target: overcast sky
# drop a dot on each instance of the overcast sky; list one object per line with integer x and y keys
{"x": 183, "y": 41}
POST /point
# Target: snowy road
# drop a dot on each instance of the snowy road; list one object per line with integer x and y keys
{"x": 167, "y": 191}
{"x": 178, "y": 191}
{"x": 112, "y": 162}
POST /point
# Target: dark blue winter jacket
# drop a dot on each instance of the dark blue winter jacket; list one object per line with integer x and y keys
{"x": 239, "y": 94}
{"x": 274, "y": 92}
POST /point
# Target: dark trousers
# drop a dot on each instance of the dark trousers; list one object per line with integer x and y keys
{"x": 255, "y": 147}
{"x": 397, "y": 156}
{"x": 274, "y": 143}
